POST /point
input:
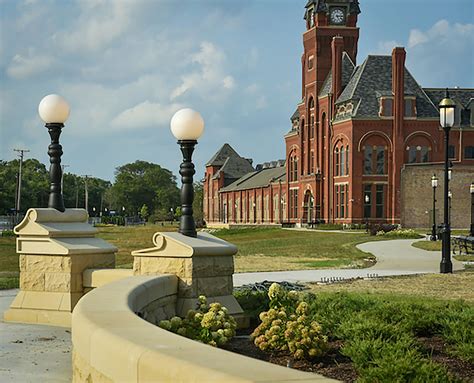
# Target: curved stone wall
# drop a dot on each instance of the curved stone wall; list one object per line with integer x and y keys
{"x": 113, "y": 344}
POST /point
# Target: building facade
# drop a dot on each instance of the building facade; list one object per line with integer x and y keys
{"x": 357, "y": 131}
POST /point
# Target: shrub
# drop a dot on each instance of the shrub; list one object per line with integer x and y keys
{"x": 253, "y": 303}
{"x": 286, "y": 326}
{"x": 210, "y": 324}
{"x": 8, "y": 233}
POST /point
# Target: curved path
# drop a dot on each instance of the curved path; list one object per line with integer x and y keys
{"x": 394, "y": 257}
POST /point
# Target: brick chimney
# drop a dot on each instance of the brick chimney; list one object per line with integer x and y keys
{"x": 337, "y": 47}
{"x": 398, "y": 87}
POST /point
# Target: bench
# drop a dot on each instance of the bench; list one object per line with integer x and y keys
{"x": 288, "y": 224}
{"x": 463, "y": 244}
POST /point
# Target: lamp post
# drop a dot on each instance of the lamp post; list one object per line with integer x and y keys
{"x": 450, "y": 199}
{"x": 471, "y": 231}
{"x": 187, "y": 126}
{"x": 446, "y": 117}
{"x": 434, "y": 185}
{"x": 54, "y": 111}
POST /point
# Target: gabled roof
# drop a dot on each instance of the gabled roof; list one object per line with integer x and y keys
{"x": 347, "y": 71}
{"x": 230, "y": 164}
{"x": 256, "y": 179}
{"x": 373, "y": 79}
{"x": 222, "y": 154}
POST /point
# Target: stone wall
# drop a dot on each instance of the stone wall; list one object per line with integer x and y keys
{"x": 417, "y": 195}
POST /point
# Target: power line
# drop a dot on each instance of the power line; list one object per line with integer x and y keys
{"x": 18, "y": 196}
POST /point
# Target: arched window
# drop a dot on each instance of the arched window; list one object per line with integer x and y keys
{"x": 418, "y": 150}
{"x": 347, "y": 160}
{"x": 311, "y": 118}
{"x": 342, "y": 172}
{"x": 336, "y": 162}
{"x": 293, "y": 167}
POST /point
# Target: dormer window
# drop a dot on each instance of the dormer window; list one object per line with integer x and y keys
{"x": 410, "y": 107}
{"x": 386, "y": 107}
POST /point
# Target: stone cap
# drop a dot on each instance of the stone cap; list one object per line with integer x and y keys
{"x": 50, "y": 222}
{"x": 180, "y": 246}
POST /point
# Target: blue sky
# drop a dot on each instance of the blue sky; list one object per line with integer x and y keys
{"x": 125, "y": 66}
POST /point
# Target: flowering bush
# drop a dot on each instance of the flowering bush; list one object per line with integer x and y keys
{"x": 210, "y": 324}
{"x": 287, "y": 327}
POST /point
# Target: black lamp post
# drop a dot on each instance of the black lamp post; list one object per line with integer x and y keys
{"x": 434, "y": 184}
{"x": 54, "y": 111}
{"x": 187, "y": 126}
{"x": 471, "y": 231}
{"x": 446, "y": 115}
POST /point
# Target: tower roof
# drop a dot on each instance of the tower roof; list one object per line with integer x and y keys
{"x": 321, "y": 5}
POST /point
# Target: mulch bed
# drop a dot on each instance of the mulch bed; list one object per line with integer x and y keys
{"x": 335, "y": 365}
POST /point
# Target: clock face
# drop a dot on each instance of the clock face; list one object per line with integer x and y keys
{"x": 337, "y": 16}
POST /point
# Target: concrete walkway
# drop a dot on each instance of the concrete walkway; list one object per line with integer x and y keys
{"x": 36, "y": 353}
{"x": 32, "y": 353}
{"x": 394, "y": 257}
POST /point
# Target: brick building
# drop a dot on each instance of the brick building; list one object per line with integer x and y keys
{"x": 357, "y": 132}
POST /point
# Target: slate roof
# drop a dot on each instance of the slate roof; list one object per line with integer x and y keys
{"x": 295, "y": 115}
{"x": 321, "y": 6}
{"x": 347, "y": 71}
{"x": 372, "y": 79}
{"x": 465, "y": 97}
{"x": 231, "y": 164}
{"x": 256, "y": 179}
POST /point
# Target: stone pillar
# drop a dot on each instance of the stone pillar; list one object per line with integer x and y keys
{"x": 54, "y": 249}
{"x": 203, "y": 265}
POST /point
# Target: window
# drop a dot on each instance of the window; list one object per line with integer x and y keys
{"x": 374, "y": 160}
{"x": 367, "y": 201}
{"x": 379, "y": 201}
{"x": 293, "y": 170}
{"x": 424, "y": 154}
{"x": 368, "y": 160}
{"x": 451, "y": 151}
{"x": 294, "y": 203}
{"x": 409, "y": 107}
{"x": 311, "y": 127}
{"x": 469, "y": 152}
{"x": 310, "y": 62}
{"x": 336, "y": 154}
{"x": 418, "y": 154}
{"x": 343, "y": 162}
{"x": 342, "y": 200}
{"x": 311, "y": 163}
{"x": 380, "y": 160}
{"x": 337, "y": 201}
{"x": 386, "y": 107}
{"x": 347, "y": 160}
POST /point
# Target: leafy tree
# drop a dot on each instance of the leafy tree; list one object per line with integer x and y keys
{"x": 198, "y": 202}
{"x": 144, "y": 183}
{"x": 144, "y": 212}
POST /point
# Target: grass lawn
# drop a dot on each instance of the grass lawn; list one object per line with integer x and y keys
{"x": 459, "y": 285}
{"x": 436, "y": 246}
{"x": 259, "y": 249}
{"x": 278, "y": 249}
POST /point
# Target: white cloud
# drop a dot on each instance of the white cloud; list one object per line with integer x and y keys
{"x": 26, "y": 66}
{"x": 386, "y": 47}
{"x": 99, "y": 24}
{"x": 441, "y": 32}
{"x": 145, "y": 115}
{"x": 210, "y": 79}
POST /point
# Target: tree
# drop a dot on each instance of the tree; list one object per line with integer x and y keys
{"x": 144, "y": 183}
{"x": 198, "y": 202}
{"x": 144, "y": 212}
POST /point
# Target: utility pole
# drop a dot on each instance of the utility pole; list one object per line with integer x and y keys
{"x": 86, "y": 193}
{"x": 62, "y": 177}
{"x": 18, "y": 196}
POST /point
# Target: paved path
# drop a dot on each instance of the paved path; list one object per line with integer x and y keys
{"x": 32, "y": 353}
{"x": 394, "y": 257}
{"x": 36, "y": 353}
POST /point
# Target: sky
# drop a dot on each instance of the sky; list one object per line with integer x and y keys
{"x": 126, "y": 66}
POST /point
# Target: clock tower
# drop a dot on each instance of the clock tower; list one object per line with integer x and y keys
{"x": 326, "y": 19}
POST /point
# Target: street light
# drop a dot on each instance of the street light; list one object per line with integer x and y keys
{"x": 446, "y": 117}
{"x": 434, "y": 185}
{"x": 471, "y": 232}
{"x": 187, "y": 126}
{"x": 54, "y": 111}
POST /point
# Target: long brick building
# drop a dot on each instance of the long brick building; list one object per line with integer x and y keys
{"x": 359, "y": 134}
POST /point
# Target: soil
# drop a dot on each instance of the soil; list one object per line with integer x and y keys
{"x": 335, "y": 365}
